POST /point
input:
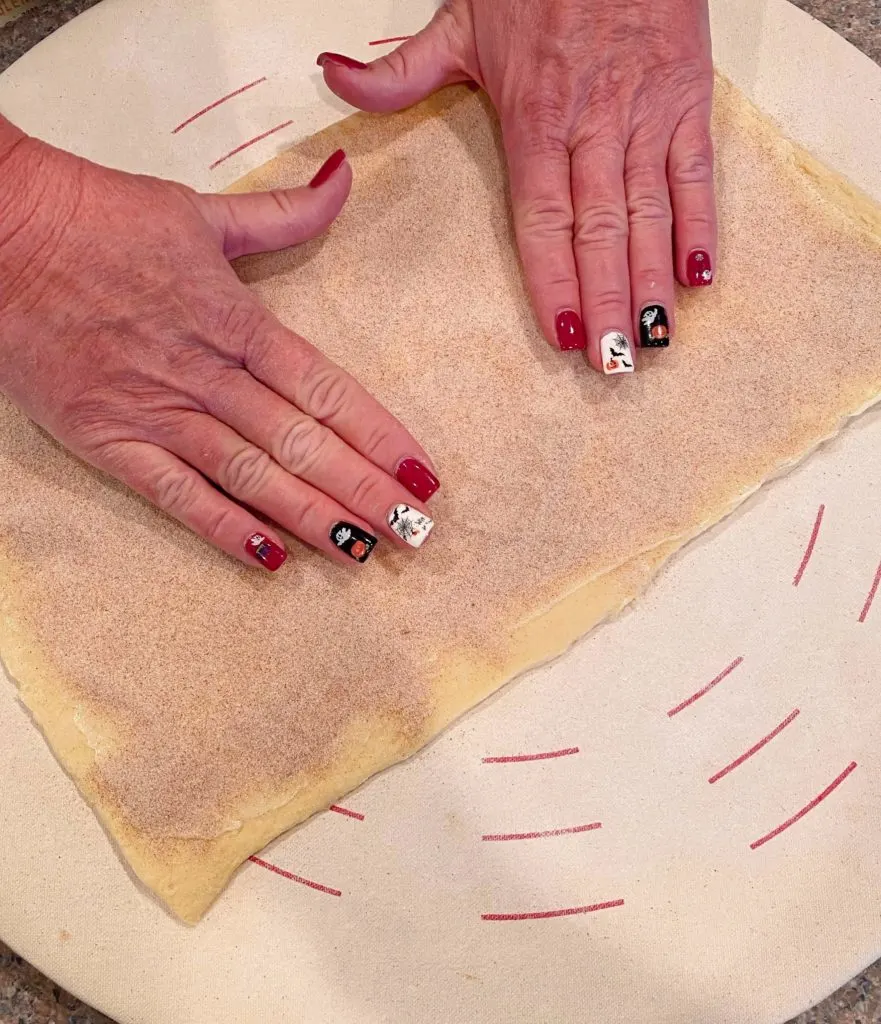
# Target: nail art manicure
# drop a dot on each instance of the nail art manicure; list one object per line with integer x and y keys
{"x": 328, "y": 168}
{"x": 654, "y": 327}
{"x": 570, "y": 331}
{"x": 418, "y": 479}
{"x": 411, "y": 525}
{"x": 356, "y": 543}
{"x": 266, "y": 551}
{"x": 615, "y": 350}
{"x": 341, "y": 59}
{"x": 698, "y": 269}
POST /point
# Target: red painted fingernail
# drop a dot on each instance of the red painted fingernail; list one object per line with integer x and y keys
{"x": 342, "y": 60}
{"x": 418, "y": 479}
{"x": 266, "y": 551}
{"x": 698, "y": 268}
{"x": 570, "y": 331}
{"x": 328, "y": 168}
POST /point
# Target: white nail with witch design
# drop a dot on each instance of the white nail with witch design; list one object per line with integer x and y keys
{"x": 411, "y": 525}
{"x": 615, "y": 350}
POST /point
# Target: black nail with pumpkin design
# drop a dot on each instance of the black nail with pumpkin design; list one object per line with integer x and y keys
{"x": 654, "y": 327}
{"x": 356, "y": 543}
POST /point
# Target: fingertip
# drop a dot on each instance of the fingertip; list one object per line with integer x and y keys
{"x": 269, "y": 553}
{"x": 328, "y": 169}
{"x": 569, "y": 331}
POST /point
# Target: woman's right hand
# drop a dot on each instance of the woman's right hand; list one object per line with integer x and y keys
{"x": 126, "y": 334}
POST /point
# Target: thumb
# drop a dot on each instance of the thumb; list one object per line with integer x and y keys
{"x": 266, "y": 221}
{"x": 418, "y": 67}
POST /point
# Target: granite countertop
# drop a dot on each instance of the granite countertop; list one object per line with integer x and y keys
{"x": 26, "y": 996}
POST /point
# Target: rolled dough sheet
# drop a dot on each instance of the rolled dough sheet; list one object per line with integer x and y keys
{"x": 203, "y": 708}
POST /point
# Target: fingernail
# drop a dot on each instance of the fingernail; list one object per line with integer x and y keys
{"x": 356, "y": 543}
{"x": 266, "y": 551}
{"x": 698, "y": 268}
{"x": 341, "y": 59}
{"x": 411, "y": 525}
{"x": 615, "y": 350}
{"x": 570, "y": 331}
{"x": 328, "y": 168}
{"x": 418, "y": 479}
{"x": 654, "y": 327}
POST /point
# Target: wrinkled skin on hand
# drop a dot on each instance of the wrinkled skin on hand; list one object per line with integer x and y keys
{"x": 605, "y": 112}
{"x": 125, "y": 332}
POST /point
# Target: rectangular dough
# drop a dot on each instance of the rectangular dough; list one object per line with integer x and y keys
{"x": 203, "y": 708}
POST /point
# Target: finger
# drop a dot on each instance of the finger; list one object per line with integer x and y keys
{"x": 250, "y": 475}
{"x": 298, "y": 372}
{"x": 266, "y": 221}
{"x": 421, "y": 65}
{"x": 311, "y": 452}
{"x": 184, "y": 494}
{"x": 651, "y": 241}
{"x": 690, "y": 178}
{"x": 600, "y": 243}
{"x": 541, "y": 198}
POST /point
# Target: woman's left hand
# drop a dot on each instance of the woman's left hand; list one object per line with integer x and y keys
{"x": 605, "y": 112}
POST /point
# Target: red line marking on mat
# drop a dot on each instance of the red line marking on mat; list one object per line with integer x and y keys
{"x": 504, "y": 837}
{"x": 754, "y": 749}
{"x": 250, "y": 142}
{"x": 540, "y": 915}
{"x": 295, "y": 878}
{"x": 808, "y": 807}
{"x": 700, "y": 693}
{"x": 216, "y": 103}
{"x": 531, "y": 757}
{"x": 867, "y": 606}
{"x": 391, "y": 39}
{"x": 809, "y": 550}
{"x": 345, "y": 810}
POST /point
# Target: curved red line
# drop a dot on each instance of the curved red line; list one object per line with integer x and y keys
{"x": 700, "y": 693}
{"x": 504, "y": 837}
{"x": 737, "y": 762}
{"x": 295, "y": 878}
{"x": 531, "y": 757}
{"x": 871, "y": 596}
{"x": 216, "y": 103}
{"x": 345, "y": 810}
{"x": 808, "y": 807}
{"x": 809, "y": 550}
{"x": 250, "y": 142}
{"x": 391, "y": 39}
{"x": 540, "y": 915}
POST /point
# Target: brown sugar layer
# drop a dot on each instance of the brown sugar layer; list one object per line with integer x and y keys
{"x": 203, "y": 707}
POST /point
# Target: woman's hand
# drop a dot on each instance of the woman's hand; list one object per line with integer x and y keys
{"x": 125, "y": 333}
{"x": 605, "y": 111}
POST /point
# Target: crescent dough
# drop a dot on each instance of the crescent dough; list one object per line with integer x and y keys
{"x": 203, "y": 708}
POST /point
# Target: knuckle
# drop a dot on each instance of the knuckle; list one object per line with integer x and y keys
{"x": 602, "y": 226}
{"x": 542, "y": 120}
{"x": 243, "y": 325}
{"x": 694, "y": 166}
{"x": 302, "y": 445}
{"x": 649, "y": 207}
{"x": 608, "y": 302}
{"x": 220, "y": 525}
{"x": 311, "y": 517}
{"x": 245, "y": 471}
{"x": 174, "y": 490}
{"x": 378, "y": 434}
{"x": 367, "y": 491}
{"x": 327, "y": 391}
{"x": 545, "y": 215}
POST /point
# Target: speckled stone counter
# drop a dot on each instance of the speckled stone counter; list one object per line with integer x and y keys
{"x": 26, "y": 996}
